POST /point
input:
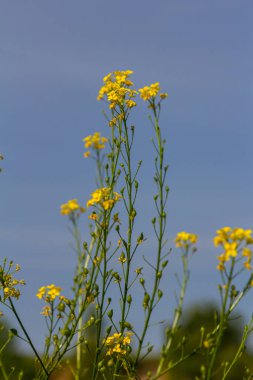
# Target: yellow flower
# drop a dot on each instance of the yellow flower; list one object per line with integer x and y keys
{"x": 117, "y": 343}
{"x": 247, "y": 265}
{"x": 117, "y": 90}
{"x": 232, "y": 239}
{"x": 104, "y": 197}
{"x": 46, "y": 310}
{"x": 246, "y": 252}
{"x": 163, "y": 95}
{"x": 108, "y": 204}
{"x": 49, "y": 292}
{"x": 93, "y": 216}
{"x": 149, "y": 92}
{"x": 95, "y": 141}
{"x": 113, "y": 122}
{"x": 130, "y": 103}
{"x": 71, "y": 206}
{"x": 231, "y": 249}
{"x": 86, "y": 154}
{"x": 8, "y": 283}
{"x": 220, "y": 267}
{"x": 185, "y": 239}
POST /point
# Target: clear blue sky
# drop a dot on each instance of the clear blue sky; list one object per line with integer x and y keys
{"x": 53, "y": 55}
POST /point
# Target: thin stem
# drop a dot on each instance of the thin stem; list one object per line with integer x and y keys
{"x": 27, "y": 336}
{"x": 247, "y": 331}
{"x": 160, "y": 234}
{"x": 222, "y": 324}
{"x": 178, "y": 312}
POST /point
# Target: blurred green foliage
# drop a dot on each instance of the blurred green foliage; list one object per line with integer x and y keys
{"x": 205, "y": 316}
{"x": 13, "y": 364}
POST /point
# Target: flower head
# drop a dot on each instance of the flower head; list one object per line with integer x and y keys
{"x": 8, "y": 283}
{"x": 234, "y": 241}
{"x": 105, "y": 197}
{"x": 118, "y": 343}
{"x": 150, "y": 93}
{"x": 185, "y": 239}
{"x": 71, "y": 207}
{"x": 117, "y": 90}
{"x": 95, "y": 142}
{"x": 49, "y": 292}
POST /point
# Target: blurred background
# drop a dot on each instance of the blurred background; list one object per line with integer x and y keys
{"x": 53, "y": 58}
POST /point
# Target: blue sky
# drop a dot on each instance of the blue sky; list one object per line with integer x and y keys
{"x": 53, "y": 57}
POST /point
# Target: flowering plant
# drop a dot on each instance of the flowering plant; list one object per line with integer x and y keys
{"x": 90, "y": 322}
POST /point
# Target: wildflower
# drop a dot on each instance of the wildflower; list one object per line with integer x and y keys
{"x": 118, "y": 343}
{"x": 8, "y": 283}
{"x": 71, "y": 207}
{"x": 104, "y": 197}
{"x": 46, "y": 311}
{"x": 86, "y": 154}
{"x": 185, "y": 239}
{"x": 113, "y": 122}
{"x": 147, "y": 92}
{"x": 130, "y": 103}
{"x": 246, "y": 252}
{"x": 117, "y": 90}
{"x": 95, "y": 142}
{"x": 233, "y": 241}
{"x": 163, "y": 95}
{"x": 49, "y": 292}
{"x": 93, "y": 216}
{"x": 247, "y": 265}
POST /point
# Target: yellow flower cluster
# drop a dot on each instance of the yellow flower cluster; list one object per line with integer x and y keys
{"x": 185, "y": 239}
{"x": 46, "y": 311}
{"x": 117, "y": 343}
{"x": 95, "y": 142}
{"x": 49, "y": 292}
{"x": 70, "y": 207}
{"x": 150, "y": 92}
{"x": 104, "y": 197}
{"x": 8, "y": 283}
{"x": 233, "y": 241}
{"x": 117, "y": 89}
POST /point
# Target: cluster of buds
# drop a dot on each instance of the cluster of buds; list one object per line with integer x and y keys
{"x": 8, "y": 283}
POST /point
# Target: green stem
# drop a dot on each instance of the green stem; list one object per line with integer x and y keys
{"x": 27, "y": 336}
{"x": 178, "y": 312}
{"x": 129, "y": 186}
{"x": 246, "y": 333}
{"x": 222, "y": 324}
{"x": 101, "y": 305}
{"x": 162, "y": 220}
{"x": 5, "y": 376}
{"x": 80, "y": 301}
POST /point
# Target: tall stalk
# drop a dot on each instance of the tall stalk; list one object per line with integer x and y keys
{"x": 160, "y": 201}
